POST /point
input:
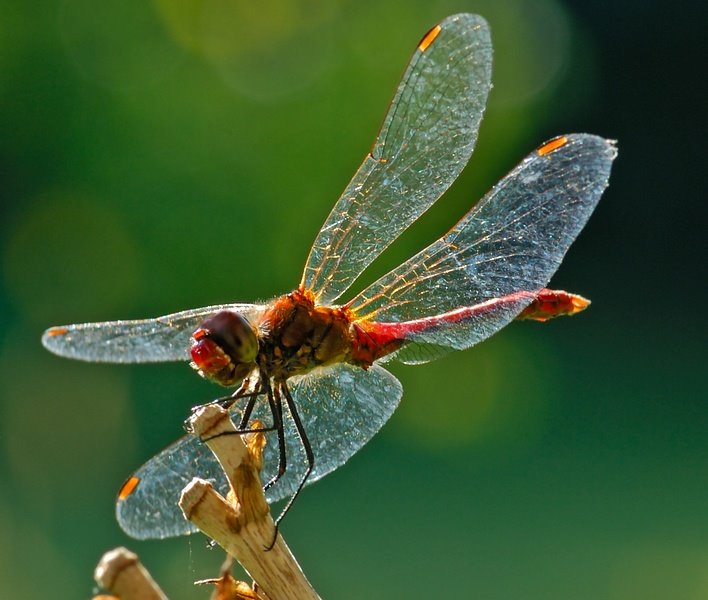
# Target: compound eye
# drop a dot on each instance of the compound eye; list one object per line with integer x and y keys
{"x": 232, "y": 333}
{"x": 245, "y": 342}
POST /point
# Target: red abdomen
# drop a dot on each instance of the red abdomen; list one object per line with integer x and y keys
{"x": 373, "y": 340}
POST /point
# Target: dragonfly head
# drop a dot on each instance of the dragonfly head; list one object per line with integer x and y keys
{"x": 224, "y": 348}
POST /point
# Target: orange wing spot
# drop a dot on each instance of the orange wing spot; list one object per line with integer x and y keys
{"x": 128, "y": 488}
{"x": 55, "y": 331}
{"x": 429, "y": 38}
{"x": 549, "y": 147}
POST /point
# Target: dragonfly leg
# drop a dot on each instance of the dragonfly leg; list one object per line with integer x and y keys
{"x": 276, "y": 408}
{"x": 302, "y": 434}
{"x": 242, "y": 392}
{"x": 243, "y": 428}
{"x": 226, "y": 402}
{"x": 252, "y": 397}
{"x": 246, "y": 416}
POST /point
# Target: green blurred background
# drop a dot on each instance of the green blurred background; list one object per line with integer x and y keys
{"x": 163, "y": 155}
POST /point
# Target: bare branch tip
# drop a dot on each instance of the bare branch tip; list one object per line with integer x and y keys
{"x": 120, "y": 572}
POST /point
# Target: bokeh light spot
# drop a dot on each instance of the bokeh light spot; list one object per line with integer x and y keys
{"x": 661, "y": 568}
{"x": 262, "y": 50}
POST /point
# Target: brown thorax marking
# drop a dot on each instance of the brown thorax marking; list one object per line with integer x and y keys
{"x": 296, "y": 336}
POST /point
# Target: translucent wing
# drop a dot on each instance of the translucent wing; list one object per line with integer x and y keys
{"x": 341, "y": 406}
{"x": 426, "y": 139}
{"x": 150, "y": 510}
{"x": 146, "y": 340}
{"x": 478, "y": 277}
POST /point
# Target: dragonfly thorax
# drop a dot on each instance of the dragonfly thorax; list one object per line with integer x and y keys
{"x": 297, "y": 336}
{"x": 224, "y": 348}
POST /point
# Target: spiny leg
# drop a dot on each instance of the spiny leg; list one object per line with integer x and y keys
{"x": 253, "y": 396}
{"x": 302, "y": 434}
{"x": 243, "y": 424}
{"x": 276, "y": 408}
{"x": 228, "y": 401}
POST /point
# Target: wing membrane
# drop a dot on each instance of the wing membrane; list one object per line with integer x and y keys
{"x": 510, "y": 244}
{"x": 146, "y": 340}
{"x": 341, "y": 407}
{"x": 426, "y": 139}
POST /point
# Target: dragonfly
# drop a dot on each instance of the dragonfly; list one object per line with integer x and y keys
{"x": 312, "y": 367}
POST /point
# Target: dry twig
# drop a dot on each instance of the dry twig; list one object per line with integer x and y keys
{"x": 242, "y": 524}
{"x": 121, "y": 573}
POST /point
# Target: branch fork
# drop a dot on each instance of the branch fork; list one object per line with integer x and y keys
{"x": 241, "y": 524}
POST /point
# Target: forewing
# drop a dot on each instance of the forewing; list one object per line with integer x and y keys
{"x": 509, "y": 244}
{"x": 426, "y": 139}
{"x": 146, "y": 340}
{"x": 341, "y": 407}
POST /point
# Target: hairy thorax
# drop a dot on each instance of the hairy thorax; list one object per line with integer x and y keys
{"x": 295, "y": 336}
